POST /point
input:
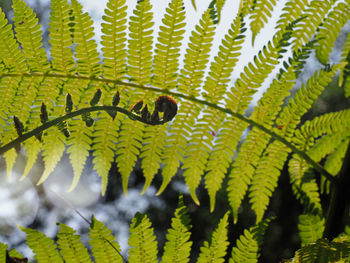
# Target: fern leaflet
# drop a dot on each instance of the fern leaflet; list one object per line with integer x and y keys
{"x": 165, "y": 75}
{"x": 142, "y": 241}
{"x": 71, "y": 248}
{"x": 178, "y": 247}
{"x": 216, "y": 250}
{"x": 189, "y": 80}
{"x": 100, "y": 241}
{"x": 248, "y": 245}
{"x": 326, "y": 37}
{"x": 260, "y": 14}
{"x": 44, "y": 248}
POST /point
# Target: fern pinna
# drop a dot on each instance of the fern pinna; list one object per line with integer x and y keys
{"x": 140, "y": 103}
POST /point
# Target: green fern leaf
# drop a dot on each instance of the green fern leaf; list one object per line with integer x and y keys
{"x": 85, "y": 51}
{"x": 330, "y": 29}
{"x": 142, "y": 240}
{"x": 11, "y": 253}
{"x": 292, "y": 11}
{"x": 344, "y": 79}
{"x": 10, "y": 53}
{"x": 28, "y": 33}
{"x": 60, "y": 37}
{"x": 260, "y": 14}
{"x": 140, "y": 43}
{"x": 33, "y": 148}
{"x": 139, "y": 69}
{"x": 238, "y": 100}
{"x": 216, "y": 250}
{"x": 114, "y": 39}
{"x": 324, "y": 251}
{"x": 271, "y": 163}
{"x": 219, "y": 6}
{"x": 79, "y": 145}
{"x": 255, "y": 143}
{"x": 215, "y": 86}
{"x": 167, "y": 50}
{"x": 106, "y": 129}
{"x": 165, "y": 74}
{"x": 153, "y": 144}
{"x": 101, "y": 239}
{"x": 71, "y": 248}
{"x": 178, "y": 247}
{"x": 310, "y": 228}
{"x": 249, "y": 244}
{"x": 335, "y": 160}
{"x": 10, "y": 156}
{"x": 245, "y": 7}
{"x": 313, "y": 18}
{"x": 104, "y": 145}
{"x": 44, "y": 248}
{"x": 190, "y": 79}
{"x": 304, "y": 184}
{"x": 53, "y": 149}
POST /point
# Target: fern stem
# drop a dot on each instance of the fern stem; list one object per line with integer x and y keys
{"x": 339, "y": 200}
{"x": 58, "y": 120}
{"x": 302, "y": 154}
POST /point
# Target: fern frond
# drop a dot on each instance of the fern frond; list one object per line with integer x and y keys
{"x": 249, "y": 244}
{"x": 79, "y": 145}
{"x": 329, "y": 123}
{"x": 167, "y": 50}
{"x": 11, "y": 253}
{"x": 104, "y": 145}
{"x": 101, "y": 239}
{"x": 335, "y": 160}
{"x": 85, "y": 51}
{"x": 238, "y": 101}
{"x": 33, "y": 148}
{"x": 10, "y": 54}
{"x": 344, "y": 78}
{"x": 60, "y": 37}
{"x": 271, "y": 163}
{"x": 114, "y": 39}
{"x": 219, "y": 4}
{"x": 329, "y": 31}
{"x": 216, "y": 250}
{"x": 255, "y": 143}
{"x": 260, "y": 14}
{"x": 28, "y": 33}
{"x": 336, "y": 123}
{"x": 87, "y": 59}
{"x": 143, "y": 246}
{"x": 314, "y": 14}
{"x": 304, "y": 184}
{"x": 71, "y": 248}
{"x": 44, "y": 248}
{"x": 292, "y": 11}
{"x": 140, "y": 43}
{"x": 139, "y": 69}
{"x": 196, "y": 58}
{"x": 178, "y": 246}
{"x": 11, "y": 155}
{"x": 114, "y": 66}
{"x": 245, "y": 7}
{"x": 53, "y": 148}
{"x": 166, "y": 63}
{"x": 310, "y": 227}
{"x": 324, "y": 251}
{"x": 197, "y": 152}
